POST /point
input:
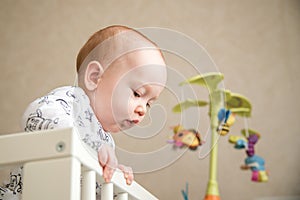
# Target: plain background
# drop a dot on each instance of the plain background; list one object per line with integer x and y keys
{"x": 255, "y": 44}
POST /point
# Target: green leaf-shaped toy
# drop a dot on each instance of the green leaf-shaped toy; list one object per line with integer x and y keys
{"x": 188, "y": 103}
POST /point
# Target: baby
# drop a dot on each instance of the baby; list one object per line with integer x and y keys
{"x": 120, "y": 74}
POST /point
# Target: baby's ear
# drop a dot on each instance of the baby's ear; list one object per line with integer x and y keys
{"x": 93, "y": 74}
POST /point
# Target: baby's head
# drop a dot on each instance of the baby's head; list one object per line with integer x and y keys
{"x": 123, "y": 73}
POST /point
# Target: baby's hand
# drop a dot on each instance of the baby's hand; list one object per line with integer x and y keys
{"x": 108, "y": 161}
{"x": 128, "y": 173}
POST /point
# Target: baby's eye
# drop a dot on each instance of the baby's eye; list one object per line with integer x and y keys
{"x": 150, "y": 103}
{"x": 136, "y": 94}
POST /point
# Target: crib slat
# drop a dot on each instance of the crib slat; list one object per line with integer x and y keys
{"x": 107, "y": 191}
{"x": 122, "y": 196}
{"x": 52, "y": 179}
{"x": 88, "y": 185}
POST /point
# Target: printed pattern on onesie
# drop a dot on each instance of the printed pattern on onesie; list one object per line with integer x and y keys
{"x": 61, "y": 108}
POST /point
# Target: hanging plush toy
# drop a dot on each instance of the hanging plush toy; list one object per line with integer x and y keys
{"x": 183, "y": 137}
{"x": 257, "y": 166}
{"x": 253, "y": 162}
{"x": 226, "y": 119}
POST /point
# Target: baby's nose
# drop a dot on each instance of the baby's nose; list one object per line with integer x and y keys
{"x": 140, "y": 110}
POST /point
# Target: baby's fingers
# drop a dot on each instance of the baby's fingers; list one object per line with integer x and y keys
{"x": 128, "y": 174}
{"x": 108, "y": 173}
{"x": 129, "y": 178}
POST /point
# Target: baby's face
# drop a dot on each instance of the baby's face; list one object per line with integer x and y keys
{"x": 128, "y": 88}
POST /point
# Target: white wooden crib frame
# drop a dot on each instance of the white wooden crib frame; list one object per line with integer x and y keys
{"x": 55, "y": 161}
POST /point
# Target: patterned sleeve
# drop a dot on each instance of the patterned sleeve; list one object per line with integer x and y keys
{"x": 48, "y": 112}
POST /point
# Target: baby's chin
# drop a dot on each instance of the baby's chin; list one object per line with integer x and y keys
{"x": 111, "y": 129}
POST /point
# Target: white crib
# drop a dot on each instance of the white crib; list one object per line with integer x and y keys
{"x": 62, "y": 159}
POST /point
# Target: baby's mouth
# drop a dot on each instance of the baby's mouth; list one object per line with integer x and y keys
{"x": 135, "y": 121}
{"x": 130, "y": 123}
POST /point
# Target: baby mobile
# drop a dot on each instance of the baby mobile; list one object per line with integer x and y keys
{"x": 224, "y": 106}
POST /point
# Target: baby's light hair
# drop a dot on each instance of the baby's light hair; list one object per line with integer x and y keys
{"x": 110, "y": 43}
{"x": 96, "y": 39}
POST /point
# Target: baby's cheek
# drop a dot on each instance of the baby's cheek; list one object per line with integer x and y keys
{"x": 131, "y": 103}
{"x": 121, "y": 104}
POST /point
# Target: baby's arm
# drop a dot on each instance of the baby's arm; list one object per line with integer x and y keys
{"x": 109, "y": 163}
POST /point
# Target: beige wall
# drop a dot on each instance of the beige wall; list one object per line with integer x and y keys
{"x": 256, "y": 44}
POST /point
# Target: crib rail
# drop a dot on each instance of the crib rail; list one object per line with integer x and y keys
{"x": 54, "y": 162}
